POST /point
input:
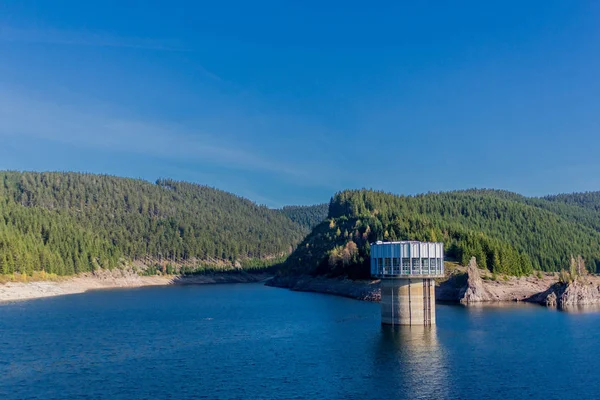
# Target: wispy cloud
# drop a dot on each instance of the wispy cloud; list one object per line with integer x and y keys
{"x": 84, "y": 38}
{"x": 61, "y": 37}
{"x": 27, "y": 116}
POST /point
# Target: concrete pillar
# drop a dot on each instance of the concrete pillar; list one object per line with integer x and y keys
{"x": 408, "y": 301}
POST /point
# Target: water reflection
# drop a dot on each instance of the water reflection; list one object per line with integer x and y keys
{"x": 509, "y": 305}
{"x": 581, "y": 309}
{"x": 410, "y": 362}
{"x": 577, "y": 309}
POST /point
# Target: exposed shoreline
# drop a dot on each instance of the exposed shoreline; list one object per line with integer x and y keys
{"x": 367, "y": 290}
{"x": 517, "y": 289}
{"x": 18, "y": 291}
{"x": 466, "y": 287}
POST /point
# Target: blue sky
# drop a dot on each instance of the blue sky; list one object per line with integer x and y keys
{"x": 289, "y": 102}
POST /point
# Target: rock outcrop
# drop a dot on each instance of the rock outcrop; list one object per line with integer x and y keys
{"x": 580, "y": 292}
{"x": 475, "y": 290}
{"x": 551, "y": 300}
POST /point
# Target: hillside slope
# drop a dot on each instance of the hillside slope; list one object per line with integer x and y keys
{"x": 307, "y": 216}
{"x": 507, "y": 233}
{"x": 585, "y": 200}
{"x": 67, "y": 223}
{"x": 583, "y": 208}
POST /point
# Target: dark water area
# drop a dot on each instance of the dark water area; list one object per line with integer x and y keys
{"x": 250, "y": 341}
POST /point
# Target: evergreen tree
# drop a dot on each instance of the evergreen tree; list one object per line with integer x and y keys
{"x": 507, "y": 233}
{"x": 67, "y": 223}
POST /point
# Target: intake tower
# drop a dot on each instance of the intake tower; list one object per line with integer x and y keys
{"x": 407, "y": 271}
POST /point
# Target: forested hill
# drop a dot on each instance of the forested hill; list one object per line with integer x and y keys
{"x": 67, "y": 223}
{"x": 307, "y": 216}
{"x": 587, "y": 200}
{"x": 508, "y": 233}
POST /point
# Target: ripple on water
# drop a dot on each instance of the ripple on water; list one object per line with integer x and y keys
{"x": 250, "y": 341}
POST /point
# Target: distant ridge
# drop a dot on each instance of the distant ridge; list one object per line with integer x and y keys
{"x": 506, "y": 232}
{"x": 307, "y": 216}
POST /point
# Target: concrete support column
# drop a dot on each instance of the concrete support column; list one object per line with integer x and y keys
{"x": 408, "y": 301}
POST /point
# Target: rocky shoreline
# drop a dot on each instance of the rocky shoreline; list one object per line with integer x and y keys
{"x": 464, "y": 286}
{"x": 121, "y": 278}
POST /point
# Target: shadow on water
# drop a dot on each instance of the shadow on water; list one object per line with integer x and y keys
{"x": 410, "y": 362}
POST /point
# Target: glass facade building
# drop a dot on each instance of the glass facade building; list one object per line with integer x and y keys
{"x": 407, "y": 259}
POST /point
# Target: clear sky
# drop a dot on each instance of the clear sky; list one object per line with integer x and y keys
{"x": 287, "y": 102}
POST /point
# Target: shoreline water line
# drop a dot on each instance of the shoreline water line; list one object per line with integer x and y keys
{"x": 21, "y": 291}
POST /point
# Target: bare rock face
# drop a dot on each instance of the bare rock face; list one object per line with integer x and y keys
{"x": 563, "y": 295}
{"x": 551, "y": 300}
{"x": 475, "y": 290}
{"x": 579, "y": 293}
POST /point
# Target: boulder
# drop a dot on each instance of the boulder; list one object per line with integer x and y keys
{"x": 551, "y": 300}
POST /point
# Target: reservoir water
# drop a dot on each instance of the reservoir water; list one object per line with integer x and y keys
{"x": 248, "y": 341}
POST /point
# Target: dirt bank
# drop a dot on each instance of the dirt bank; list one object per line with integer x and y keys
{"x": 450, "y": 290}
{"x": 361, "y": 290}
{"x": 467, "y": 285}
{"x": 13, "y": 291}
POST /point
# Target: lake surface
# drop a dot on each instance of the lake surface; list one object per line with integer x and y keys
{"x": 245, "y": 341}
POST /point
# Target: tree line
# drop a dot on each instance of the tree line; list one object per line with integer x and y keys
{"x": 307, "y": 216}
{"x": 507, "y": 233}
{"x": 66, "y": 223}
